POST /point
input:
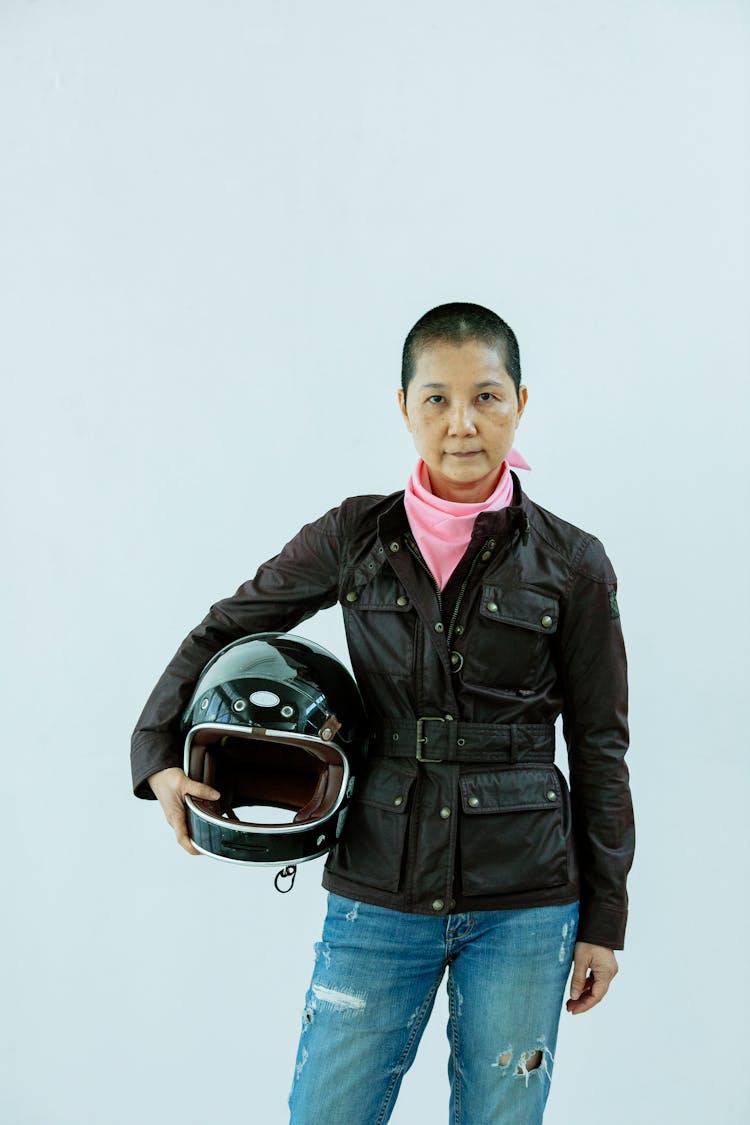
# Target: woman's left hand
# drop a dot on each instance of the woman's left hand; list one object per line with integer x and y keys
{"x": 594, "y": 967}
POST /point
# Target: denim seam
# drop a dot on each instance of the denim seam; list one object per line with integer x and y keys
{"x": 455, "y": 1049}
{"x": 416, "y": 1028}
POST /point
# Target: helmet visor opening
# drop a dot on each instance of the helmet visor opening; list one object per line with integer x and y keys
{"x": 253, "y": 773}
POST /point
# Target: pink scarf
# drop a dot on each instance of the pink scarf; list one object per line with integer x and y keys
{"x": 442, "y": 528}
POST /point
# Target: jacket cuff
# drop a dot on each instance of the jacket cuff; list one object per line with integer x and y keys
{"x": 599, "y": 925}
{"x": 146, "y": 758}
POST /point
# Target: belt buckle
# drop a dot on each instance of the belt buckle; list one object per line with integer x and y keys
{"x": 421, "y": 738}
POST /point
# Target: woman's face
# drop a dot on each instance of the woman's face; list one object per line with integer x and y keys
{"x": 462, "y": 410}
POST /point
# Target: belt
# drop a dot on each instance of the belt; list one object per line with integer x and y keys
{"x": 434, "y": 739}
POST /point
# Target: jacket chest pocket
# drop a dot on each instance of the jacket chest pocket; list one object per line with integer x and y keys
{"x": 371, "y": 847}
{"x": 380, "y": 626}
{"x": 509, "y": 638}
{"x": 514, "y": 830}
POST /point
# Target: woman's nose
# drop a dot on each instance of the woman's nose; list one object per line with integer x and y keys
{"x": 461, "y": 419}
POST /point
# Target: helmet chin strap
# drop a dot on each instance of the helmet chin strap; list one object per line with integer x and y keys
{"x": 289, "y": 872}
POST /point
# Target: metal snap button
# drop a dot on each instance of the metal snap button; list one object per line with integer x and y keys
{"x": 398, "y": 801}
{"x": 352, "y": 596}
{"x": 492, "y": 607}
{"x": 459, "y": 630}
{"x": 457, "y": 661}
{"x": 473, "y": 802}
{"x": 546, "y": 621}
{"x": 239, "y": 705}
{"x": 551, "y": 795}
{"x": 439, "y": 627}
{"x": 449, "y": 718}
{"x": 445, "y": 812}
{"x": 402, "y": 600}
{"x": 460, "y": 742}
{"x": 394, "y": 546}
{"x": 438, "y": 904}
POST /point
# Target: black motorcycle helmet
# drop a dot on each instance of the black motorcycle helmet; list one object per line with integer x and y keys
{"x": 275, "y": 723}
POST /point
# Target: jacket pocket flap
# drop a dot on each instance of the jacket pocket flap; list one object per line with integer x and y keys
{"x": 382, "y": 593}
{"x": 531, "y": 609}
{"x": 385, "y": 786}
{"x": 510, "y": 790}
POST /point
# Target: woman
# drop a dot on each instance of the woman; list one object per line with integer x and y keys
{"x": 474, "y": 618}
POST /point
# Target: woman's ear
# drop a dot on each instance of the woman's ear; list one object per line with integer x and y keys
{"x": 402, "y": 404}
{"x": 523, "y": 395}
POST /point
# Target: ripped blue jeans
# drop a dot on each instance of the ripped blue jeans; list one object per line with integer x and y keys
{"x": 374, "y": 982}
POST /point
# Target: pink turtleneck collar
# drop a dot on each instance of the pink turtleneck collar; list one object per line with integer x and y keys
{"x": 442, "y": 528}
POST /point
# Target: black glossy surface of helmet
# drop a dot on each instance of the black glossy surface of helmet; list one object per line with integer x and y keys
{"x": 276, "y": 725}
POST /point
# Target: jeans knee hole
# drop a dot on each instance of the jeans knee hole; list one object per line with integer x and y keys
{"x": 531, "y": 1060}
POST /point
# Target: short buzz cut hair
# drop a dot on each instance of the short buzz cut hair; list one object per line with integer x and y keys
{"x": 455, "y": 323}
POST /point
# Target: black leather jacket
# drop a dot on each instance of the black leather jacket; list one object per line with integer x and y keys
{"x": 461, "y": 807}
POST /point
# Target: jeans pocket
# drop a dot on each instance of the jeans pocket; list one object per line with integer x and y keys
{"x": 371, "y": 847}
{"x": 514, "y": 830}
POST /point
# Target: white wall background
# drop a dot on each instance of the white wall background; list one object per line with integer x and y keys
{"x": 219, "y": 220}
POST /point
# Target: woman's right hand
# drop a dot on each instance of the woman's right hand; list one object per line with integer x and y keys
{"x": 170, "y": 786}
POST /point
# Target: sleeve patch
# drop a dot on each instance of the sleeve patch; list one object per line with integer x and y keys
{"x": 614, "y": 610}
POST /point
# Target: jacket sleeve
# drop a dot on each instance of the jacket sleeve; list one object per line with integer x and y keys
{"x": 286, "y": 590}
{"x": 594, "y": 674}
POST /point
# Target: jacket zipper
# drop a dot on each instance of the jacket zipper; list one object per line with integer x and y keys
{"x": 461, "y": 592}
{"x": 418, "y": 556}
{"x": 411, "y": 544}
